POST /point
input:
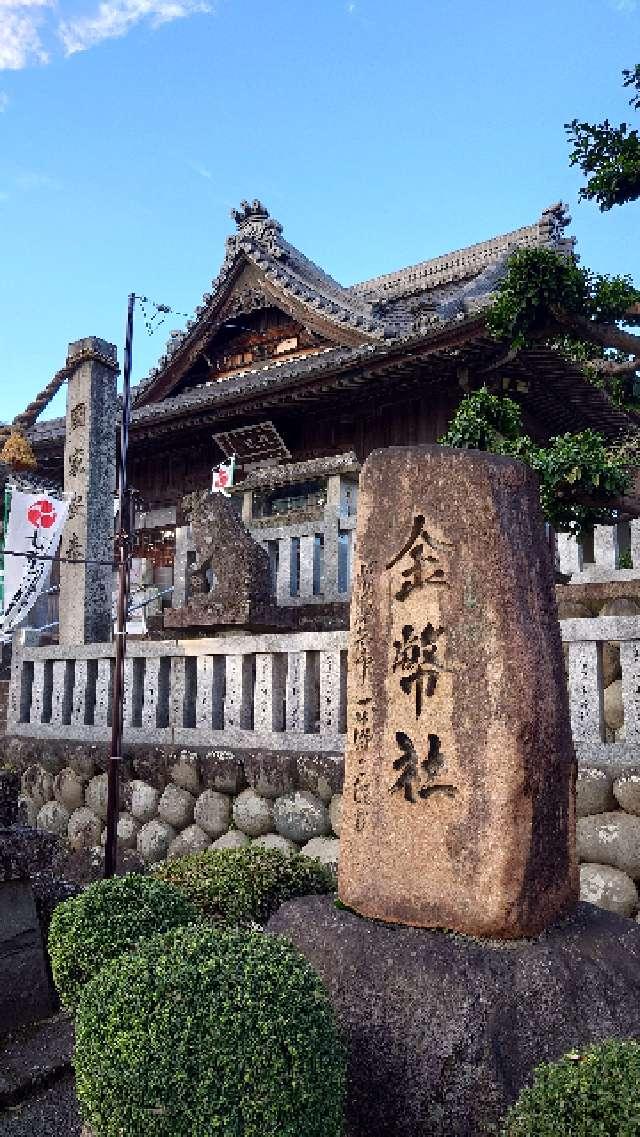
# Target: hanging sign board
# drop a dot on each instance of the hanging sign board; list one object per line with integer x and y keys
{"x": 35, "y": 526}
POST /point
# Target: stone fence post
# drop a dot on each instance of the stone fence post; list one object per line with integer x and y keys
{"x": 89, "y": 474}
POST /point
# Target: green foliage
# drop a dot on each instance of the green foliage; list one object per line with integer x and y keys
{"x": 110, "y": 917}
{"x": 541, "y": 284}
{"x": 609, "y": 156}
{"x": 547, "y": 296}
{"x": 590, "y": 1094}
{"x": 579, "y": 474}
{"x": 484, "y": 422}
{"x": 209, "y": 1033}
{"x": 239, "y": 887}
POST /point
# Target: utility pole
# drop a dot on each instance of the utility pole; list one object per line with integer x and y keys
{"x": 123, "y": 560}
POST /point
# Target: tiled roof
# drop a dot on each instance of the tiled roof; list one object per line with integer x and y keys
{"x": 384, "y": 308}
{"x": 463, "y": 264}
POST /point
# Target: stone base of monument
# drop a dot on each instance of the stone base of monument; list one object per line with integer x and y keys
{"x": 442, "y": 1030}
{"x": 206, "y": 616}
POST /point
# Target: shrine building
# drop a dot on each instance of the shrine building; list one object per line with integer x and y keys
{"x": 301, "y": 378}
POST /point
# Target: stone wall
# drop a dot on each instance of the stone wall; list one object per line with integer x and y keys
{"x": 608, "y": 837}
{"x": 175, "y": 801}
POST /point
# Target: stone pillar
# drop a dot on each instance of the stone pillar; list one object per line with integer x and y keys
{"x": 570, "y": 555}
{"x": 586, "y": 691}
{"x": 630, "y": 663}
{"x": 89, "y": 474}
{"x": 459, "y": 797}
{"x": 180, "y": 563}
{"x": 307, "y": 549}
{"x": 297, "y": 693}
{"x": 605, "y": 547}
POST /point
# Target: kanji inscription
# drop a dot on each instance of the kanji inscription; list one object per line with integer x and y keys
{"x": 458, "y": 800}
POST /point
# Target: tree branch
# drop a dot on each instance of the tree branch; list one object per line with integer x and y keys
{"x": 611, "y": 368}
{"x": 605, "y": 335}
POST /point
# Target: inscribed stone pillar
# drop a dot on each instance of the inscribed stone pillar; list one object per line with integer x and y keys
{"x": 458, "y": 806}
{"x": 89, "y": 474}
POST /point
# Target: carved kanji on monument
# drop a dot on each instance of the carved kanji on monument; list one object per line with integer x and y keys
{"x": 459, "y": 783}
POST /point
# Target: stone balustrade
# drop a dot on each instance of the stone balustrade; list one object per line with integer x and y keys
{"x": 277, "y": 691}
{"x": 600, "y": 563}
{"x": 281, "y": 692}
{"x": 585, "y": 639}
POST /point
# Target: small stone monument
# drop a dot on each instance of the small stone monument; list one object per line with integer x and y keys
{"x": 459, "y": 771}
{"x": 89, "y": 475}
{"x": 230, "y": 580}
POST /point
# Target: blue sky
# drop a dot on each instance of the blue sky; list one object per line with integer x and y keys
{"x": 379, "y": 132}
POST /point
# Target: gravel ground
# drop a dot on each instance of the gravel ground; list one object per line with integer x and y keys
{"x": 53, "y": 1112}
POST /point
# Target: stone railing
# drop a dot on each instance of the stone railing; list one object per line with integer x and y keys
{"x": 280, "y": 692}
{"x": 611, "y": 543}
{"x": 277, "y": 691}
{"x": 585, "y": 639}
{"x": 311, "y": 560}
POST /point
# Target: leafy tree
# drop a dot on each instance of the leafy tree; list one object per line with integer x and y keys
{"x": 547, "y": 296}
{"x": 609, "y": 156}
{"x": 582, "y": 479}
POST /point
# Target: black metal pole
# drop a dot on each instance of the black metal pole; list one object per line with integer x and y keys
{"x": 122, "y": 553}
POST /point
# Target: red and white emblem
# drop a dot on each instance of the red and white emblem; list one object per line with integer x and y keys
{"x": 42, "y": 514}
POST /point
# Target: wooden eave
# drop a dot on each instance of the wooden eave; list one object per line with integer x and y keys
{"x": 549, "y": 388}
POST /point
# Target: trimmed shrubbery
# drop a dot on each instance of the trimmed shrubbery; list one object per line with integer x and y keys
{"x": 593, "y": 1093}
{"x": 110, "y": 917}
{"x": 209, "y": 1032}
{"x": 238, "y": 887}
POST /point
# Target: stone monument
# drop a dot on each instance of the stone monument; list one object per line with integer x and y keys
{"x": 458, "y": 813}
{"x": 459, "y": 769}
{"x": 89, "y": 476}
{"x": 229, "y": 581}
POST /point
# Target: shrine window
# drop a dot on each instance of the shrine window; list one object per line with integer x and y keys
{"x": 303, "y": 497}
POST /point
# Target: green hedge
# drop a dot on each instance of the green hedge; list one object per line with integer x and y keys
{"x": 110, "y": 917}
{"x": 238, "y": 887}
{"x": 209, "y": 1033}
{"x": 590, "y": 1093}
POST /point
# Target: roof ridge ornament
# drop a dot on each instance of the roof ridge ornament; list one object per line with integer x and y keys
{"x": 255, "y": 227}
{"x": 249, "y": 211}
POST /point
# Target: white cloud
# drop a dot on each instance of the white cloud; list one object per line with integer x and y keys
{"x": 4, "y": 101}
{"x": 116, "y": 17}
{"x": 201, "y": 170}
{"x": 624, "y": 5}
{"x": 27, "y": 180}
{"x": 30, "y": 29}
{"x": 20, "y": 42}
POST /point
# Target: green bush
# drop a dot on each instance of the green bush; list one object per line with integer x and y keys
{"x": 209, "y": 1033}
{"x": 110, "y": 917}
{"x": 594, "y": 1093}
{"x": 238, "y": 887}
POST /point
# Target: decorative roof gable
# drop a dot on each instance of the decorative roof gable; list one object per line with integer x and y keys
{"x": 261, "y": 270}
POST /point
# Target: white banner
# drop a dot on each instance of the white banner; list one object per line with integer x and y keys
{"x": 35, "y": 527}
{"x": 222, "y": 477}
